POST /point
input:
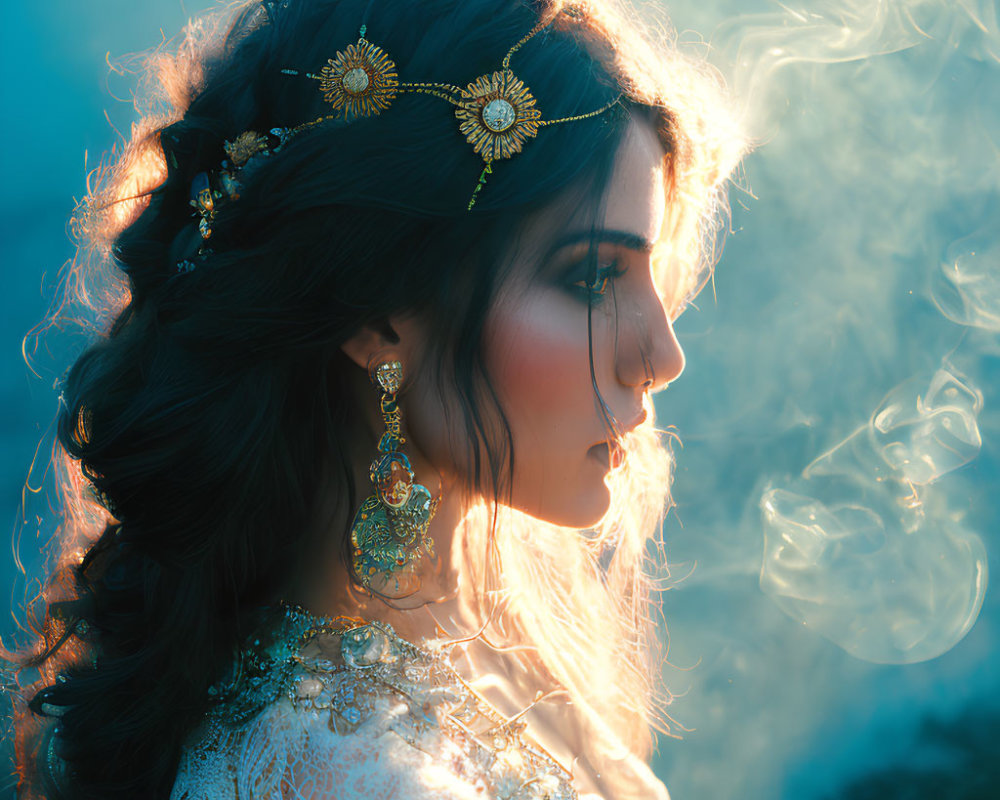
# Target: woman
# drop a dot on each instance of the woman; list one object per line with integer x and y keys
{"x": 363, "y": 487}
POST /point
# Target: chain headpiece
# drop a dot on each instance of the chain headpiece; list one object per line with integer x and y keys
{"x": 497, "y": 114}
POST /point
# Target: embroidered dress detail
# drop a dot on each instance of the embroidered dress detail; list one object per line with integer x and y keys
{"x": 344, "y": 708}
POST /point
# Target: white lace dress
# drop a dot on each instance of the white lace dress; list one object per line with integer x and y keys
{"x": 343, "y": 709}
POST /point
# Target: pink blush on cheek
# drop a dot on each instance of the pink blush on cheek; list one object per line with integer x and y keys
{"x": 537, "y": 352}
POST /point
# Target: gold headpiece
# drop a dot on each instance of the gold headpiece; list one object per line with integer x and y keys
{"x": 497, "y": 113}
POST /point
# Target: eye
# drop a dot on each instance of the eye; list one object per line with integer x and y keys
{"x": 597, "y": 286}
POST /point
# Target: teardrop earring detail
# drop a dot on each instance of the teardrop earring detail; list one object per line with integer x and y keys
{"x": 389, "y": 532}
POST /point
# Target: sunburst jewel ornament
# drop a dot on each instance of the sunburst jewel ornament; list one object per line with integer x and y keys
{"x": 359, "y": 81}
{"x": 497, "y": 113}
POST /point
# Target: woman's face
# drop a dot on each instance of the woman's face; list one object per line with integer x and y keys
{"x": 537, "y": 348}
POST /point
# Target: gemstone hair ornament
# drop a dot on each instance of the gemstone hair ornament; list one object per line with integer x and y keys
{"x": 497, "y": 113}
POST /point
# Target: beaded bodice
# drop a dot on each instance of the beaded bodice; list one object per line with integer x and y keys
{"x": 343, "y": 708}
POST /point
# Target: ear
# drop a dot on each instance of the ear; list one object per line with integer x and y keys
{"x": 400, "y": 337}
{"x": 371, "y": 341}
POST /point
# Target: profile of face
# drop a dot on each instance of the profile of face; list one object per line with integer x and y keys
{"x": 537, "y": 347}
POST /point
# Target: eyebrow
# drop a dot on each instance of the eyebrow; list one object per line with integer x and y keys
{"x": 627, "y": 239}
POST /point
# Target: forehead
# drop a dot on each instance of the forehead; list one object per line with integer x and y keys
{"x": 634, "y": 200}
{"x": 636, "y": 196}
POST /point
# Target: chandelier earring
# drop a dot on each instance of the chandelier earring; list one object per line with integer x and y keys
{"x": 389, "y": 533}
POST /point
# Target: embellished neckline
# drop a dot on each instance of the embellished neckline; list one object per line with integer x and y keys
{"x": 342, "y": 668}
{"x": 363, "y": 643}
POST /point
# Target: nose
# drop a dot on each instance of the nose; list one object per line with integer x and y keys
{"x": 648, "y": 355}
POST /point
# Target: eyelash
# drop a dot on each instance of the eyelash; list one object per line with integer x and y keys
{"x": 603, "y": 277}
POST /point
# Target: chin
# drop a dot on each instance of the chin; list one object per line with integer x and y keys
{"x": 586, "y": 511}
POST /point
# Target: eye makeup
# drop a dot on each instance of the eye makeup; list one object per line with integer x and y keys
{"x": 596, "y": 285}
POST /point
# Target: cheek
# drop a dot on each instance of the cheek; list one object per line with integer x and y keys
{"x": 538, "y": 357}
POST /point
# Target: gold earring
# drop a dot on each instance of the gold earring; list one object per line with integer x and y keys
{"x": 389, "y": 532}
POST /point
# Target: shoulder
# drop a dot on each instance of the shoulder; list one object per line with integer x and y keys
{"x": 287, "y": 752}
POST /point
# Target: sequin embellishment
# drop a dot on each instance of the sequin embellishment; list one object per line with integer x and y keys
{"x": 325, "y": 701}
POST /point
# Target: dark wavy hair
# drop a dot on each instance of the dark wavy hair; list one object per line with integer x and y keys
{"x": 206, "y": 411}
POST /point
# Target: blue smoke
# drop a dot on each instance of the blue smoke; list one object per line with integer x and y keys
{"x": 836, "y": 491}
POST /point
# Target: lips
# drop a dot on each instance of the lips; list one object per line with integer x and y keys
{"x": 610, "y": 452}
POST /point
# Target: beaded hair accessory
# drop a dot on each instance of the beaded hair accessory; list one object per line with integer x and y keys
{"x": 497, "y": 114}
